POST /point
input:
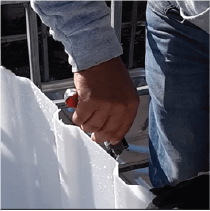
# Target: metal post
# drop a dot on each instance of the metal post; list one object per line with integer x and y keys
{"x": 45, "y": 52}
{"x": 0, "y": 36}
{"x": 33, "y": 45}
{"x": 133, "y": 31}
{"x": 116, "y": 17}
{"x": 11, "y": 2}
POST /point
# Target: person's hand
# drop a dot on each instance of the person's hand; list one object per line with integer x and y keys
{"x": 188, "y": 194}
{"x": 107, "y": 101}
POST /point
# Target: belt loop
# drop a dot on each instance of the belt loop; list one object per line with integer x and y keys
{"x": 175, "y": 4}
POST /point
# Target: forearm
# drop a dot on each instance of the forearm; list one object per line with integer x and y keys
{"x": 84, "y": 29}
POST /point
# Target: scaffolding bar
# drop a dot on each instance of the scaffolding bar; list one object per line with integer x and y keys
{"x": 0, "y": 36}
{"x": 57, "y": 85}
{"x": 12, "y": 2}
{"x": 69, "y": 82}
{"x": 133, "y": 31}
{"x": 33, "y": 46}
{"x": 133, "y": 165}
{"x": 138, "y": 23}
{"x": 15, "y": 37}
{"x": 45, "y": 52}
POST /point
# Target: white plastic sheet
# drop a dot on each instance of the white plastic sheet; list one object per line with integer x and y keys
{"x": 48, "y": 165}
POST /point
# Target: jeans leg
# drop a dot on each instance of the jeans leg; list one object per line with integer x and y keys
{"x": 177, "y": 73}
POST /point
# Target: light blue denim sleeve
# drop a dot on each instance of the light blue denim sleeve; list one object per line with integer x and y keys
{"x": 84, "y": 28}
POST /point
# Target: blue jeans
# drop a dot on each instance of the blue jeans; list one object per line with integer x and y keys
{"x": 177, "y": 73}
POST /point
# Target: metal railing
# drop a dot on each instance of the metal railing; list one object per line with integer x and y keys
{"x": 32, "y": 35}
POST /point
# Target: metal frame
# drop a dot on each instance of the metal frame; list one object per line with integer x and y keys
{"x": 133, "y": 31}
{"x": 11, "y": 2}
{"x": 44, "y": 34}
{"x": 33, "y": 48}
{"x": 133, "y": 165}
{"x": 0, "y": 36}
{"x": 32, "y": 40}
{"x": 33, "y": 35}
{"x": 33, "y": 44}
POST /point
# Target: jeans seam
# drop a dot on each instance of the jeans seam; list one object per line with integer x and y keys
{"x": 167, "y": 5}
{"x": 166, "y": 9}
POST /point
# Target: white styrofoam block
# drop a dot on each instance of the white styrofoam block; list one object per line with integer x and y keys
{"x": 49, "y": 165}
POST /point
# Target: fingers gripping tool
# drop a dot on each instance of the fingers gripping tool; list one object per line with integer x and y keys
{"x": 71, "y": 100}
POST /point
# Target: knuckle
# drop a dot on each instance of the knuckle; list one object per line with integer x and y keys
{"x": 114, "y": 141}
{"x": 112, "y": 136}
{"x": 104, "y": 135}
{"x": 98, "y": 137}
{"x": 78, "y": 120}
{"x": 128, "y": 106}
{"x": 94, "y": 128}
{"x": 109, "y": 134}
{"x": 90, "y": 128}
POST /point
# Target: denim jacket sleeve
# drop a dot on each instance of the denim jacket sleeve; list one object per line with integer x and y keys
{"x": 84, "y": 28}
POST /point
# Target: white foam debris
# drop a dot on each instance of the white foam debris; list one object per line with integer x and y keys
{"x": 48, "y": 165}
